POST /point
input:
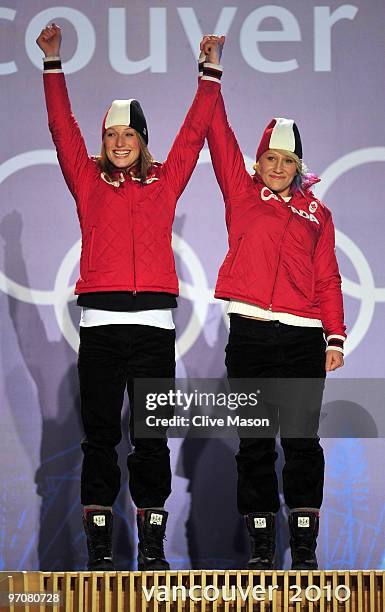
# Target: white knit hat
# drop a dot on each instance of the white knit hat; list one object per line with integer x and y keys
{"x": 126, "y": 112}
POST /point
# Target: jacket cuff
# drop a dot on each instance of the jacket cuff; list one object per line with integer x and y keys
{"x": 335, "y": 343}
{"x": 207, "y": 71}
{"x": 201, "y": 61}
{"x": 212, "y": 72}
{"x": 52, "y": 64}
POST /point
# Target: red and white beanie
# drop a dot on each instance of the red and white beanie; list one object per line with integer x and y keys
{"x": 282, "y": 134}
{"x": 126, "y": 112}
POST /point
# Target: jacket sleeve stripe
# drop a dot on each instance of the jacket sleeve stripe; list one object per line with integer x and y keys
{"x": 52, "y": 64}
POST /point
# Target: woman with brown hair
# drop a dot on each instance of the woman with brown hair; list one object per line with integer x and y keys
{"x": 127, "y": 290}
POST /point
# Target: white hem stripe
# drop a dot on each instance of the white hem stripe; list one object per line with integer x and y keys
{"x": 251, "y": 310}
{"x": 209, "y": 78}
{"x": 92, "y": 317}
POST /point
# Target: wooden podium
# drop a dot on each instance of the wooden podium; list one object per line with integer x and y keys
{"x": 190, "y": 591}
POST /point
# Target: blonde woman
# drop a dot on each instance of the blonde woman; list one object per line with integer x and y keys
{"x": 127, "y": 290}
{"x": 281, "y": 279}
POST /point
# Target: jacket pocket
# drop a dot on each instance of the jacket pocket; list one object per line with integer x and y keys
{"x": 169, "y": 261}
{"x": 91, "y": 250}
{"x": 237, "y": 253}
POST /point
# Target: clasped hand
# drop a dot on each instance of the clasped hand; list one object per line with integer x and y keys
{"x": 211, "y": 46}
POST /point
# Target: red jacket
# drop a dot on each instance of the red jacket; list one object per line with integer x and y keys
{"x": 281, "y": 255}
{"x": 126, "y": 230}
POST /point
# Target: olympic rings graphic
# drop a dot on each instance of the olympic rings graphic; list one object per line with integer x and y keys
{"x": 198, "y": 291}
{"x": 365, "y": 290}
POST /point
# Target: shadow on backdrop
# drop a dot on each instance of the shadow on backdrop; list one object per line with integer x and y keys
{"x": 346, "y": 419}
{"x": 52, "y": 366}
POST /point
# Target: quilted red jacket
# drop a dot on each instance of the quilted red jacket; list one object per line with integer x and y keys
{"x": 281, "y": 255}
{"x": 126, "y": 229}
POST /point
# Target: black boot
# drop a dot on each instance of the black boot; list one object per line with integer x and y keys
{"x": 98, "y": 528}
{"x": 261, "y": 528}
{"x": 151, "y": 532}
{"x": 303, "y": 539}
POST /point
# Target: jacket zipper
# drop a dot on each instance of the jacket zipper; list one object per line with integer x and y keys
{"x": 239, "y": 245}
{"x": 91, "y": 249}
{"x": 278, "y": 262}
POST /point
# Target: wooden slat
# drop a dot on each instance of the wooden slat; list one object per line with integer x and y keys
{"x": 274, "y": 602}
{"x": 322, "y": 583}
{"x": 66, "y": 593}
{"x": 105, "y": 604}
{"x": 56, "y": 580}
{"x": 78, "y": 595}
{"x": 286, "y": 592}
{"x": 239, "y": 584}
{"x": 382, "y": 591}
{"x": 144, "y": 585}
{"x": 297, "y": 581}
{"x": 262, "y": 582}
{"x": 311, "y": 581}
{"x": 9, "y": 584}
{"x": 179, "y": 582}
{"x": 214, "y": 582}
{"x": 359, "y": 593}
{"x": 169, "y": 583}
{"x": 117, "y": 602}
{"x": 226, "y": 604}
{"x": 347, "y": 581}
{"x": 203, "y": 581}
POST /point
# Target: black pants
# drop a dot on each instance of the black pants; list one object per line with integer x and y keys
{"x": 269, "y": 349}
{"x": 110, "y": 357}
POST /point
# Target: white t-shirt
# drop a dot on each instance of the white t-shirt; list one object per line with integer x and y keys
{"x": 90, "y": 317}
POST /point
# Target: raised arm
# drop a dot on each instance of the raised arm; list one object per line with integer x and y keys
{"x": 66, "y": 135}
{"x": 185, "y": 150}
{"x": 227, "y": 158}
